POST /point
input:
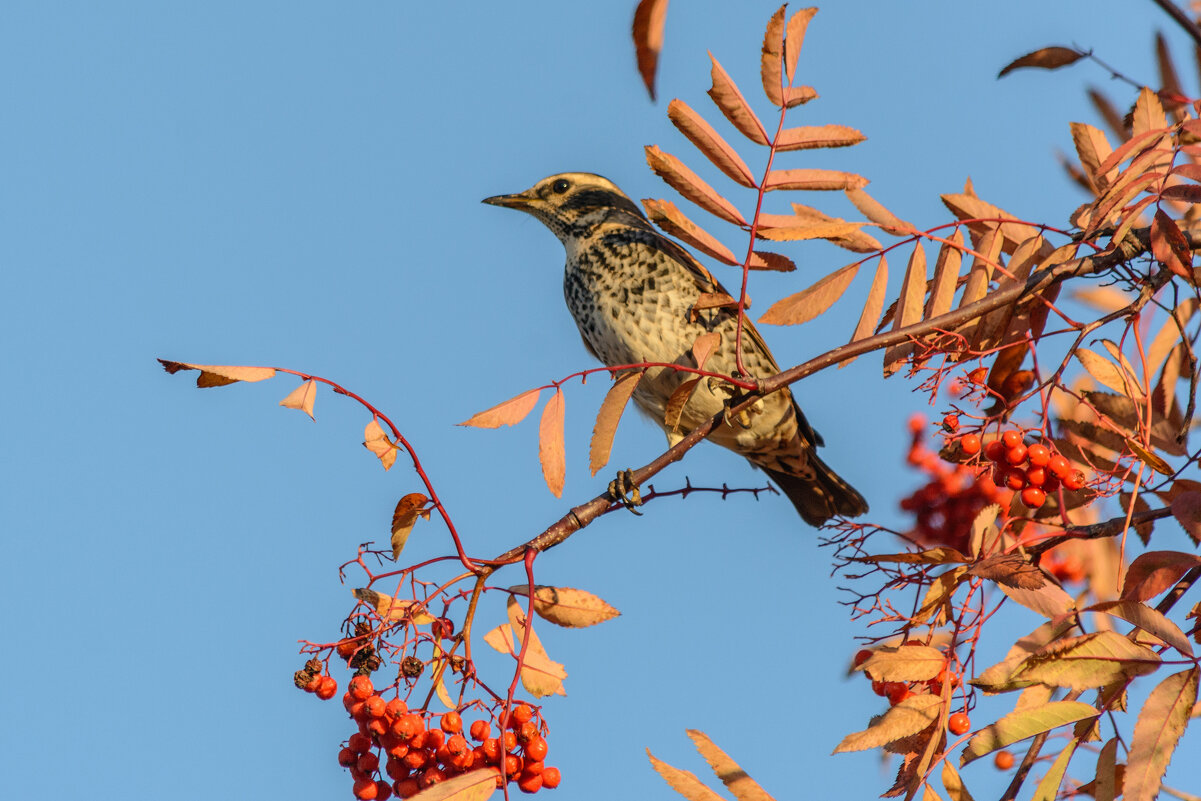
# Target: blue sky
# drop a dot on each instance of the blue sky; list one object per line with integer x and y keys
{"x": 298, "y": 184}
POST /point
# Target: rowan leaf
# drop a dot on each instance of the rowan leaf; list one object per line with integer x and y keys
{"x": 475, "y": 785}
{"x": 869, "y": 207}
{"x": 909, "y": 308}
{"x": 798, "y": 95}
{"x": 1088, "y": 661}
{"x": 812, "y": 179}
{"x": 302, "y": 398}
{"x": 1149, "y": 458}
{"x": 1092, "y": 148}
{"x": 771, "y": 66}
{"x": 404, "y": 517}
{"x": 856, "y": 240}
{"x": 214, "y": 375}
{"x": 799, "y": 231}
{"x": 733, "y": 105}
{"x": 1154, "y": 572}
{"x": 813, "y": 301}
{"x": 1048, "y": 787}
{"x": 683, "y": 782}
{"x": 1148, "y": 113}
{"x": 540, "y": 675}
{"x": 1137, "y": 145}
{"x": 730, "y": 772}
{"x": 938, "y": 596}
{"x": 910, "y": 716}
{"x": 807, "y": 137}
{"x": 649, "y": 17}
{"x": 946, "y": 277}
{"x": 1046, "y": 58}
{"x": 1103, "y": 786}
{"x": 714, "y": 300}
{"x": 1107, "y": 373}
{"x": 872, "y": 307}
{"x": 710, "y": 143}
{"x": 1162, "y": 720}
{"x": 1011, "y": 570}
{"x": 1186, "y": 508}
{"x": 1102, "y": 298}
{"x": 501, "y": 639}
{"x": 677, "y": 402}
{"x": 968, "y": 207}
{"x": 567, "y": 607}
{"x": 904, "y": 663}
{"x": 1149, "y": 620}
{"x": 763, "y": 260}
{"x": 704, "y": 346}
{"x": 691, "y": 185}
{"x": 1048, "y": 600}
{"x": 1017, "y": 726}
{"x": 509, "y": 413}
{"x": 664, "y": 214}
{"x": 608, "y": 417}
{"x": 551, "y": 451}
{"x": 390, "y": 608}
{"x": 953, "y": 783}
{"x": 1169, "y": 247}
{"x": 934, "y": 556}
{"x": 376, "y": 441}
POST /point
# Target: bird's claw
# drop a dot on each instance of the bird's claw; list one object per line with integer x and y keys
{"x": 624, "y": 489}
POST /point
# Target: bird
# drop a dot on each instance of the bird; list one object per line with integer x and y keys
{"x": 632, "y": 291}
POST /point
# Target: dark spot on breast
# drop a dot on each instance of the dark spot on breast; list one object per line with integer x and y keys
{"x": 650, "y": 282}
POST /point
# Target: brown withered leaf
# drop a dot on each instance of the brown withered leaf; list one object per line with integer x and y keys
{"x": 376, "y": 441}
{"x": 691, "y": 185}
{"x": 1123, "y": 412}
{"x": 980, "y": 273}
{"x": 664, "y": 214}
{"x": 813, "y": 301}
{"x": 733, "y": 105}
{"x": 710, "y": 143}
{"x": 550, "y": 444}
{"x": 213, "y": 375}
{"x": 704, "y": 346}
{"x": 1169, "y": 247}
{"x": 872, "y": 209}
{"x": 1107, "y": 111}
{"x": 1187, "y": 193}
{"x": 682, "y": 781}
{"x": 404, "y": 517}
{"x": 967, "y": 207}
{"x": 725, "y": 768}
{"x": 1186, "y": 508}
{"x": 813, "y": 180}
{"x": 807, "y": 137}
{"x": 567, "y": 607}
{"x": 714, "y": 300}
{"x": 872, "y": 307}
{"x": 390, "y": 608}
{"x": 677, "y": 402}
{"x": 1161, "y": 721}
{"x": 509, "y": 413}
{"x": 1010, "y": 569}
{"x": 771, "y": 61}
{"x": 1138, "y": 146}
{"x": 649, "y": 17}
{"x": 764, "y": 260}
{"x": 910, "y": 305}
{"x": 1046, "y": 58}
{"x": 302, "y": 398}
{"x": 608, "y": 417}
{"x": 794, "y": 39}
{"x": 1155, "y": 572}
{"x": 1094, "y": 433}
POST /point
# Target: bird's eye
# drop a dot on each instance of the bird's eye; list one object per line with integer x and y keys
{"x": 560, "y": 186}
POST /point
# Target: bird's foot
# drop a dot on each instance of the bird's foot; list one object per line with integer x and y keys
{"x": 624, "y": 489}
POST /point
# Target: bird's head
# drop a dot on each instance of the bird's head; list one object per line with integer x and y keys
{"x": 572, "y": 204}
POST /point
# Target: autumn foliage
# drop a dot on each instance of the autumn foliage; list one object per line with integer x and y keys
{"x": 1050, "y": 489}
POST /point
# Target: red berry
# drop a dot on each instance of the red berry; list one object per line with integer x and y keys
{"x": 536, "y": 748}
{"x": 377, "y": 726}
{"x": 491, "y": 747}
{"x": 1003, "y": 760}
{"x": 415, "y": 760}
{"x": 1013, "y": 479}
{"x": 375, "y": 706}
{"x": 550, "y": 778}
{"x": 527, "y": 731}
{"x": 951, "y": 423}
{"x": 995, "y": 450}
{"x": 1011, "y": 438}
{"x": 397, "y": 769}
{"x": 383, "y": 791}
{"x": 395, "y": 708}
{"x": 406, "y": 787}
{"x": 361, "y": 688}
{"x": 895, "y": 691}
{"x": 365, "y": 789}
{"x": 509, "y": 740}
{"x": 327, "y": 689}
{"x": 1015, "y": 455}
{"x": 452, "y": 723}
{"x": 861, "y": 657}
{"x": 520, "y": 714}
{"x": 1039, "y": 455}
{"x": 878, "y": 687}
{"x": 959, "y": 723}
{"x": 1059, "y": 466}
{"x": 359, "y": 743}
{"x": 1033, "y": 497}
{"x": 512, "y": 766}
{"x": 530, "y": 782}
{"x": 406, "y": 727}
{"x": 969, "y": 444}
{"x": 457, "y": 745}
{"x": 532, "y": 766}
{"x": 1074, "y": 480}
{"x": 480, "y": 730}
{"x": 346, "y": 757}
{"x": 434, "y": 738}
{"x": 431, "y": 777}
{"x": 1036, "y": 476}
{"x": 346, "y": 648}
{"x": 367, "y": 763}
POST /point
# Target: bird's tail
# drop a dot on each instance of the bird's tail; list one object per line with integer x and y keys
{"x": 821, "y": 497}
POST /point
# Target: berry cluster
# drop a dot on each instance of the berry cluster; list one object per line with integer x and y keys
{"x": 312, "y": 679}
{"x": 1033, "y": 470}
{"x": 421, "y": 750}
{"x": 898, "y": 691}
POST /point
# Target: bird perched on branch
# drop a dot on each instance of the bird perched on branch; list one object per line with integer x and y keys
{"x": 632, "y": 292}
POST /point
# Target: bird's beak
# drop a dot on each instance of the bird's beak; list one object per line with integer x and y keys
{"x": 520, "y": 201}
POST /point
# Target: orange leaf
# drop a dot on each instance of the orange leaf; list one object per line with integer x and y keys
{"x": 691, "y": 185}
{"x": 813, "y": 180}
{"x": 946, "y": 277}
{"x": 969, "y": 207}
{"x": 676, "y": 404}
{"x": 909, "y": 307}
{"x": 1154, "y": 572}
{"x": 540, "y": 675}
{"x": 734, "y": 106}
{"x": 1048, "y": 58}
{"x": 404, "y": 517}
{"x": 376, "y": 441}
{"x": 873, "y": 306}
{"x": 1169, "y": 246}
{"x": 713, "y": 300}
{"x": 607, "y": 418}
{"x": 794, "y": 230}
{"x": 1186, "y": 508}
{"x": 710, "y": 142}
{"x": 509, "y": 413}
{"x": 872, "y": 209}
{"x": 568, "y": 607}
{"x": 810, "y": 136}
{"x": 813, "y": 301}
{"x": 1162, "y": 720}
{"x": 1134, "y": 146}
{"x": 794, "y": 38}
{"x": 763, "y": 260}
{"x": 773, "y": 53}
{"x": 798, "y": 95}
{"x": 1092, "y": 148}
{"x": 704, "y": 346}
{"x": 550, "y": 444}
{"x": 664, "y": 214}
{"x": 1148, "y": 113}
{"x": 219, "y": 375}
{"x": 302, "y": 398}
{"x": 649, "y": 17}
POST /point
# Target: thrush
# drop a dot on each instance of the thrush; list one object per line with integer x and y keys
{"x": 632, "y": 292}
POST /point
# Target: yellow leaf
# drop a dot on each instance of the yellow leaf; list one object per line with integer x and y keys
{"x": 376, "y": 441}
{"x": 683, "y": 782}
{"x": 568, "y": 607}
{"x": 509, "y": 413}
{"x": 550, "y": 444}
{"x": 390, "y": 608}
{"x": 212, "y": 375}
{"x": 909, "y": 717}
{"x": 730, "y": 772}
{"x": 302, "y": 398}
